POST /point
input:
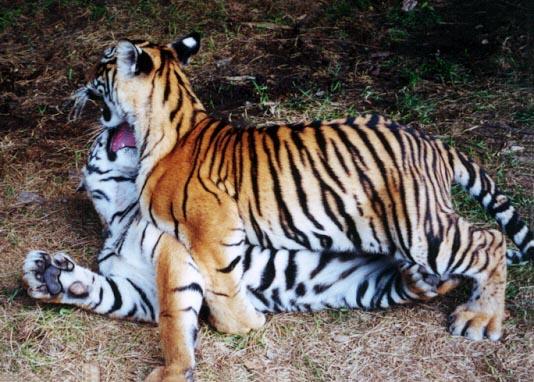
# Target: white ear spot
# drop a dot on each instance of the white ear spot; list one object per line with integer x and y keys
{"x": 190, "y": 42}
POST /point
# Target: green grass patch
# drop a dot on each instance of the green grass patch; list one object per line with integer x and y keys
{"x": 8, "y": 17}
{"x": 467, "y": 207}
{"x": 345, "y": 8}
{"x": 262, "y": 91}
{"x": 525, "y": 116}
{"x": 339, "y": 315}
{"x": 423, "y": 17}
{"x": 316, "y": 370}
{"x": 414, "y": 107}
{"x": 243, "y": 341}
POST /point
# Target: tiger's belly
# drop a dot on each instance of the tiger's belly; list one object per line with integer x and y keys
{"x": 289, "y": 281}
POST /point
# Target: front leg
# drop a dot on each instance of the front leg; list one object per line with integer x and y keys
{"x": 215, "y": 234}
{"x": 180, "y": 292}
{"x": 221, "y": 261}
{"x": 123, "y": 293}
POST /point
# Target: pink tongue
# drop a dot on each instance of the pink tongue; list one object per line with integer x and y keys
{"x": 124, "y": 137}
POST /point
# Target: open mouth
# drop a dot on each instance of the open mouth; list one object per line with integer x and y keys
{"x": 122, "y": 137}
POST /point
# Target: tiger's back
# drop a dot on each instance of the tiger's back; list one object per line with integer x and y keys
{"x": 346, "y": 184}
{"x": 359, "y": 184}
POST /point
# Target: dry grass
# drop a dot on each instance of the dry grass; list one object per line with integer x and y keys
{"x": 309, "y": 60}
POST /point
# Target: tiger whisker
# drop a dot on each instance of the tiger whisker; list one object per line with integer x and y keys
{"x": 80, "y": 97}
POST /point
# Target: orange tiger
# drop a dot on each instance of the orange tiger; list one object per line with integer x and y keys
{"x": 362, "y": 185}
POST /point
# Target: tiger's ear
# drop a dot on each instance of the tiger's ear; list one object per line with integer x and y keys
{"x": 187, "y": 46}
{"x": 127, "y": 56}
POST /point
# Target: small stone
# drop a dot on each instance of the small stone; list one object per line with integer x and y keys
{"x": 253, "y": 365}
{"x": 222, "y": 62}
{"x": 409, "y": 5}
{"x": 90, "y": 372}
{"x": 341, "y": 338}
{"x": 513, "y": 149}
{"x": 28, "y": 197}
{"x": 270, "y": 354}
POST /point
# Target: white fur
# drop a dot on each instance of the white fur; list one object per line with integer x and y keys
{"x": 190, "y": 42}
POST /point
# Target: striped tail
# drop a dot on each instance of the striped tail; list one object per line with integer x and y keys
{"x": 480, "y": 186}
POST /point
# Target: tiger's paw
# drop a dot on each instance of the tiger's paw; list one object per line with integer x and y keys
{"x": 163, "y": 374}
{"x": 233, "y": 317}
{"x": 471, "y": 321}
{"x": 234, "y": 325}
{"x": 42, "y": 276}
{"x": 422, "y": 286}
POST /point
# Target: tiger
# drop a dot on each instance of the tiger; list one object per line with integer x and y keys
{"x": 362, "y": 184}
{"x": 276, "y": 280}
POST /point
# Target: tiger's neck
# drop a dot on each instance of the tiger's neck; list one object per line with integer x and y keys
{"x": 160, "y": 132}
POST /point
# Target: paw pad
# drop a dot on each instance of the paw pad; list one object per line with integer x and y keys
{"x": 42, "y": 274}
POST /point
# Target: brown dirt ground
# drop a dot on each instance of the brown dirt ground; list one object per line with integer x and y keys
{"x": 459, "y": 69}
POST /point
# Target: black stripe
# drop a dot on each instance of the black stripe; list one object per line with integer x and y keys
{"x": 455, "y": 247}
{"x": 259, "y": 296}
{"x": 434, "y": 244}
{"x": 144, "y": 298}
{"x": 320, "y": 288}
{"x": 373, "y": 121}
{"x": 102, "y": 259}
{"x": 193, "y": 287}
{"x": 118, "y": 179}
{"x": 268, "y": 274}
{"x": 301, "y": 194}
{"x": 248, "y": 258}
{"x": 230, "y": 266}
{"x": 291, "y": 270}
{"x": 116, "y": 295}
{"x": 254, "y": 178}
{"x": 99, "y": 194}
{"x": 100, "y": 298}
{"x": 155, "y": 246}
{"x": 93, "y": 169}
{"x": 325, "y": 258}
{"x": 132, "y": 311}
{"x": 360, "y": 293}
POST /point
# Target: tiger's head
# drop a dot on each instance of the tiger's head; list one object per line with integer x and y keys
{"x": 142, "y": 84}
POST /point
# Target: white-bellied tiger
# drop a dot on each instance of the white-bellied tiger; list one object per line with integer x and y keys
{"x": 276, "y": 280}
{"x": 357, "y": 185}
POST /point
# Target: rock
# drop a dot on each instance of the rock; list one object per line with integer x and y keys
{"x": 409, "y": 5}
{"x": 341, "y": 338}
{"x": 513, "y": 149}
{"x": 222, "y": 62}
{"x": 28, "y": 197}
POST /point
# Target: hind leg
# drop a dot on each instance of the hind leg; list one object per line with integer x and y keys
{"x": 468, "y": 251}
{"x": 483, "y": 260}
